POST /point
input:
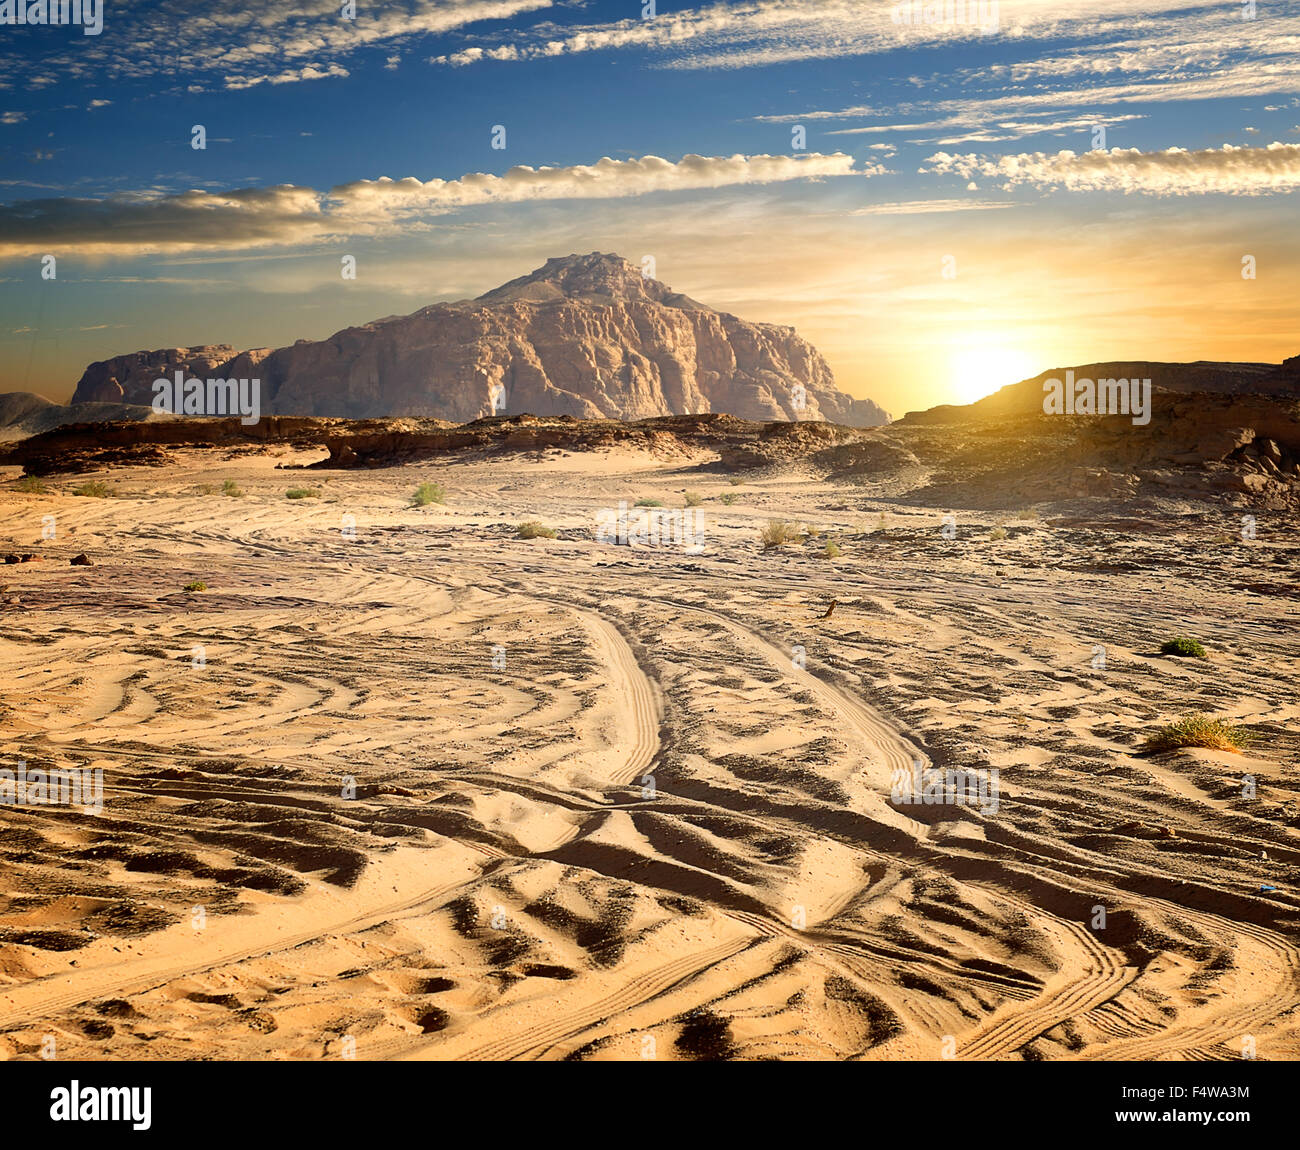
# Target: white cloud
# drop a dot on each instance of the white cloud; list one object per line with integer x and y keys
{"x": 1175, "y": 172}
{"x": 267, "y": 43}
{"x": 928, "y": 207}
{"x": 288, "y": 215}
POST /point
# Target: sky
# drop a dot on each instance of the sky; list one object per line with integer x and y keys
{"x": 925, "y": 191}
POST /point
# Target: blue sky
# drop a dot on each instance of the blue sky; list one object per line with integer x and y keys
{"x": 929, "y": 146}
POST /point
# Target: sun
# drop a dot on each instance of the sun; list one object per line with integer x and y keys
{"x": 981, "y": 370}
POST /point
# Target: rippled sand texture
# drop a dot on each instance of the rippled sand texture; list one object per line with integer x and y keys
{"x": 645, "y": 832}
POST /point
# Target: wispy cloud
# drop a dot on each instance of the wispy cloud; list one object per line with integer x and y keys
{"x": 927, "y": 207}
{"x": 290, "y": 215}
{"x": 1175, "y": 172}
{"x": 230, "y": 44}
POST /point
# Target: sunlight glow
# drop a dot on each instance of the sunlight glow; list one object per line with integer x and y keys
{"x": 982, "y": 370}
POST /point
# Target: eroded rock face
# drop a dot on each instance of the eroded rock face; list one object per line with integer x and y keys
{"x": 130, "y": 378}
{"x": 587, "y": 336}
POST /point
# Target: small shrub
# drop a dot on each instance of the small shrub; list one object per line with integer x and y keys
{"x": 93, "y": 489}
{"x": 694, "y": 499}
{"x": 302, "y": 493}
{"x": 197, "y": 585}
{"x": 729, "y": 498}
{"x": 832, "y": 550}
{"x": 31, "y": 485}
{"x": 735, "y": 481}
{"x": 1183, "y": 648}
{"x": 649, "y": 503}
{"x": 231, "y": 488}
{"x": 998, "y": 533}
{"x": 777, "y": 533}
{"x": 428, "y": 493}
{"x": 1030, "y": 513}
{"x": 535, "y": 530}
{"x": 1199, "y": 731}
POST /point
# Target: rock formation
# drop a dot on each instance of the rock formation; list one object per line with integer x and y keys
{"x": 587, "y": 336}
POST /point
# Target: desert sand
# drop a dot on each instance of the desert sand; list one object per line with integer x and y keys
{"x": 437, "y": 792}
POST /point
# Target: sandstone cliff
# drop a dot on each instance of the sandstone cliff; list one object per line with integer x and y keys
{"x": 587, "y": 336}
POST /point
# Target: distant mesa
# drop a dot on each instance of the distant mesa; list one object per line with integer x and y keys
{"x": 584, "y": 335}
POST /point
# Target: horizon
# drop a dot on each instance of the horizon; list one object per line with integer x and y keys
{"x": 951, "y": 221}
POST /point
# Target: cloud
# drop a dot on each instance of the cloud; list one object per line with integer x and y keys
{"x": 289, "y": 215}
{"x": 291, "y": 76}
{"x": 927, "y": 207}
{"x": 13, "y": 117}
{"x": 1228, "y": 170}
{"x": 271, "y": 42}
{"x": 757, "y": 33}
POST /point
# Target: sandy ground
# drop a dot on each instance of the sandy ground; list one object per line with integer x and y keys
{"x": 437, "y": 792}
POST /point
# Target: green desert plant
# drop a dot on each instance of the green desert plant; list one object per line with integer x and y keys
{"x": 302, "y": 493}
{"x": 231, "y": 488}
{"x": 649, "y": 503}
{"x": 832, "y": 550}
{"x": 197, "y": 585}
{"x": 1184, "y": 648}
{"x": 93, "y": 489}
{"x": 778, "y": 532}
{"x": 428, "y": 493}
{"x": 728, "y": 497}
{"x": 998, "y": 533}
{"x": 535, "y": 530}
{"x": 694, "y": 499}
{"x": 1197, "y": 730}
{"x": 31, "y": 485}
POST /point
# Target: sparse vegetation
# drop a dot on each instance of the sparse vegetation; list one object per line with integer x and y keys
{"x": 778, "y": 533}
{"x": 196, "y": 585}
{"x": 694, "y": 499}
{"x": 535, "y": 530}
{"x": 302, "y": 493}
{"x": 649, "y": 503}
{"x": 998, "y": 533}
{"x": 1028, "y": 513}
{"x": 1183, "y": 648}
{"x": 832, "y": 550}
{"x": 31, "y": 485}
{"x": 428, "y": 493}
{"x": 1197, "y": 730}
{"x": 735, "y": 481}
{"x": 729, "y": 497}
{"x": 231, "y": 488}
{"x": 93, "y": 489}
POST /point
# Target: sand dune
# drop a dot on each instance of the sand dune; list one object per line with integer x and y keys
{"x": 437, "y": 792}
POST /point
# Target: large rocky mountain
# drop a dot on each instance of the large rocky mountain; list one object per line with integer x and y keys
{"x": 588, "y": 336}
